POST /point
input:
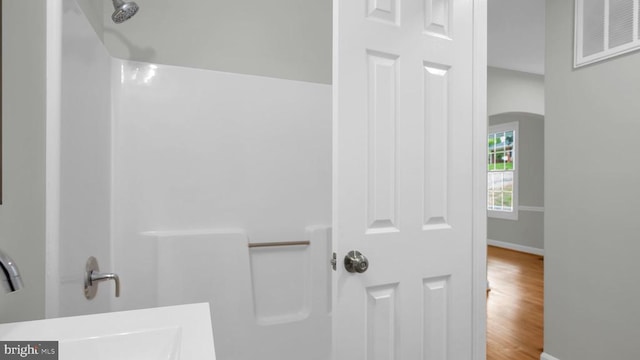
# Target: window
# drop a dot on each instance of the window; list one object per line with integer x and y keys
{"x": 502, "y": 174}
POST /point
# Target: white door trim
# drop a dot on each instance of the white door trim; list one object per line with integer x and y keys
{"x": 545, "y": 356}
{"x": 479, "y": 180}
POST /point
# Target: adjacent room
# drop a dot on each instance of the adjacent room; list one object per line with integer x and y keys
{"x": 515, "y": 180}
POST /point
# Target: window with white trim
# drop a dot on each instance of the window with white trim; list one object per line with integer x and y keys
{"x": 502, "y": 171}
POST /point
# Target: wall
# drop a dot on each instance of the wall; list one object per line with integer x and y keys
{"x": 514, "y": 91}
{"x": 519, "y": 96}
{"x": 233, "y": 151}
{"x": 85, "y": 164}
{"x": 278, "y": 299}
{"x": 94, "y": 12}
{"x": 289, "y": 39}
{"x": 516, "y": 35}
{"x": 592, "y": 200}
{"x": 22, "y": 220}
{"x": 527, "y": 231}
{"x": 198, "y": 152}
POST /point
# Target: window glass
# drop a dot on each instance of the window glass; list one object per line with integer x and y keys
{"x": 501, "y": 155}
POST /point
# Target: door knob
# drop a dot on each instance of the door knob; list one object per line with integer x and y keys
{"x": 355, "y": 262}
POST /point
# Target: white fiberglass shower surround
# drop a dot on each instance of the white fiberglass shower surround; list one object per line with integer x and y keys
{"x": 167, "y": 174}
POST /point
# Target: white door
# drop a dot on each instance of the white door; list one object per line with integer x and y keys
{"x": 403, "y": 138}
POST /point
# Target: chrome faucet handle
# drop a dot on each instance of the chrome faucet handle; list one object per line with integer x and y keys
{"x": 96, "y": 276}
{"x": 93, "y": 276}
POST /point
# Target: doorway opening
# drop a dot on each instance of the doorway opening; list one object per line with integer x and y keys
{"x": 515, "y": 179}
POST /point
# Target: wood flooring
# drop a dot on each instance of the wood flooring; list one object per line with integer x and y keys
{"x": 514, "y": 305}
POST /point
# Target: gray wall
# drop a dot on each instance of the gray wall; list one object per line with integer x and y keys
{"x": 514, "y": 91}
{"x": 289, "y": 39}
{"x": 528, "y": 229}
{"x": 22, "y": 218}
{"x": 94, "y": 10}
{"x": 592, "y": 272}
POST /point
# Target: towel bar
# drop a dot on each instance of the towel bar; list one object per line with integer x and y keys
{"x": 282, "y": 243}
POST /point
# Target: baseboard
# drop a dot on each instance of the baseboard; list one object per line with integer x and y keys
{"x": 545, "y": 356}
{"x": 531, "y": 208}
{"x": 516, "y": 247}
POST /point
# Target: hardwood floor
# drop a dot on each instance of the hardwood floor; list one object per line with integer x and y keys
{"x": 514, "y": 305}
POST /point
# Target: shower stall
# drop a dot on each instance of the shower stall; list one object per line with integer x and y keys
{"x": 193, "y": 186}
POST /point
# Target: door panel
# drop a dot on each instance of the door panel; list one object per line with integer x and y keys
{"x": 403, "y": 178}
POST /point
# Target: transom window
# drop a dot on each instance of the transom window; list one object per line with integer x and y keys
{"x": 502, "y": 171}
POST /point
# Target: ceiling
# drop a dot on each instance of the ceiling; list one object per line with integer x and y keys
{"x": 516, "y": 35}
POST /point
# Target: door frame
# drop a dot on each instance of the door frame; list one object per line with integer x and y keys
{"x": 479, "y": 227}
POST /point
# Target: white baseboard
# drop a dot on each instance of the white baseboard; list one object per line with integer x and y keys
{"x": 516, "y": 247}
{"x": 531, "y": 208}
{"x": 545, "y": 356}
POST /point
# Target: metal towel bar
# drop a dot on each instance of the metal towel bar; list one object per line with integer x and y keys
{"x": 282, "y": 243}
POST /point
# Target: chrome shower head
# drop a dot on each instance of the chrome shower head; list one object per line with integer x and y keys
{"x": 123, "y": 11}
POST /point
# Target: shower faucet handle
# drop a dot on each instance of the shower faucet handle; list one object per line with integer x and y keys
{"x": 93, "y": 276}
{"x": 96, "y": 276}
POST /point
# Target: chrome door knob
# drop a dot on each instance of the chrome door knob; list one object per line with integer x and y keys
{"x": 355, "y": 262}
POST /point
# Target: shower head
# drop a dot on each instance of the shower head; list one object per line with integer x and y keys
{"x": 123, "y": 11}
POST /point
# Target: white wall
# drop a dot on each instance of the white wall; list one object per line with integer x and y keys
{"x": 289, "y": 39}
{"x": 85, "y": 163}
{"x": 226, "y": 150}
{"x": 592, "y": 200}
{"x": 22, "y": 220}
{"x": 277, "y": 299}
{"x": 199, "y": 152}
{"x": 199, "y": 149}
{"x": 514, "y": 91}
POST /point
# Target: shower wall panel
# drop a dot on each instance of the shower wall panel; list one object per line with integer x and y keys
{"x": 157, "y": 149}
{"x": 85, "y": 163}
{"x": 271, "y": 302}
{"x": 198, "y": 149}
